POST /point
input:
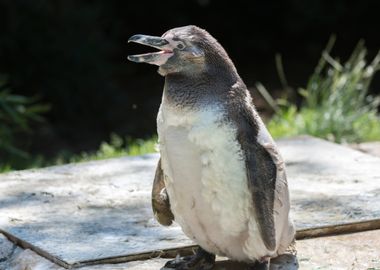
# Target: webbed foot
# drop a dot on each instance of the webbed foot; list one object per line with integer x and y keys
{"x": 201, "y": 260}
{"x": 265, "y": 265}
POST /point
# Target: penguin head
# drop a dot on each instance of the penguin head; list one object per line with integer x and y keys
{"x": 187, "y": 50}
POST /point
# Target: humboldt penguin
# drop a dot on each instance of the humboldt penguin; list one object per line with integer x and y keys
{"x": 220, "y": 175}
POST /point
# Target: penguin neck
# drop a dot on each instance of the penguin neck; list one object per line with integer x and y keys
{"x": 193, "y": 90}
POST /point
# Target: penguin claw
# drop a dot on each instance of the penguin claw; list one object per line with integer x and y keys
{"x": 202, "y": 260}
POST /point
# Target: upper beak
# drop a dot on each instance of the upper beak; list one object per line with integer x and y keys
{"x": 156, "y": 58}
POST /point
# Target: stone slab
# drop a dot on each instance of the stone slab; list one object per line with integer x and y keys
{"x": 330, "y": 183}
{"x": 90, "y": 211}
{"x": 354, "y": 251}
{"x": 86, "y": 211}
{"x": 372, "y": 148}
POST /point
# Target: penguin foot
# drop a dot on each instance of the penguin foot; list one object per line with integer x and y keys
{"x": 265, "y": 265}
{"x": 201, "y": 260}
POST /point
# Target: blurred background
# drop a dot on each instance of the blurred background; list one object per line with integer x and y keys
{"x": 68, "y": 93}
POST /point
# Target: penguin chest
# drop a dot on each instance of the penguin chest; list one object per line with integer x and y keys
{"x": 205, "y": 178}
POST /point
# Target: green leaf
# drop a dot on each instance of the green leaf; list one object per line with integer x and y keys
{"x": 336, "y": 104}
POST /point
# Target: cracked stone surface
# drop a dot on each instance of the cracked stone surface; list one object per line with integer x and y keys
{"x": 101, "y": 209}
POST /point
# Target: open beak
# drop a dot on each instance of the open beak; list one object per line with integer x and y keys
{"x": 156, "y": 58}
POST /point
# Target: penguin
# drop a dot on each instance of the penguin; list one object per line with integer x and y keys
{"x": 220, "y": 175}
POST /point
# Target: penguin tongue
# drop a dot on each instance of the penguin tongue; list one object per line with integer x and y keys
{"x": 156, "y": 58}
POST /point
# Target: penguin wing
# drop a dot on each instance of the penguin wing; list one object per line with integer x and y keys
{"x": 261, "y": 173}
{"x": 160, "y": 199}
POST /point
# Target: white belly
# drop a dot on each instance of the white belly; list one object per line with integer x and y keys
{"x": 206, "y": 182}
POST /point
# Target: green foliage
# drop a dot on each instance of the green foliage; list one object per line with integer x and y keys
{"x": 16, "y": 115}
{"x": 116, "y": 147}
{"x": 336, "y": 103}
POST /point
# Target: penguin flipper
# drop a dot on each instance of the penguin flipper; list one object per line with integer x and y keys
{"x": 261, "y": 174}
{"x": 160, "y": 199}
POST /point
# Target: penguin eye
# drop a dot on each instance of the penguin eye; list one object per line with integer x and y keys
{"x": 180, "y": 45}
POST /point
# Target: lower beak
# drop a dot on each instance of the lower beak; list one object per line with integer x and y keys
{"x": 156, "y": 58}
